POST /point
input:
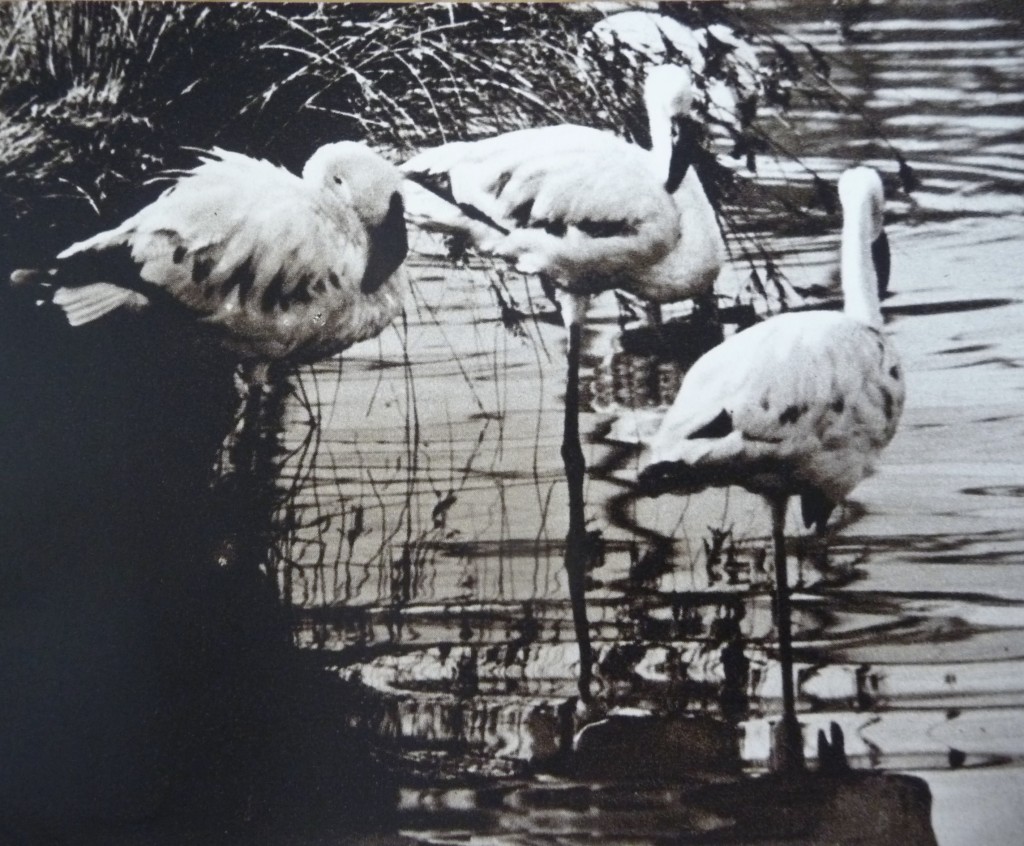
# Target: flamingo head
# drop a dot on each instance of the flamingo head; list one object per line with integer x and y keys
{"x": 356, "y": 176}
{"x": 668, "y": 91}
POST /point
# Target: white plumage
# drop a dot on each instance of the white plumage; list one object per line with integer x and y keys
{"x": 801, "y": 404}
{"x": 582, "y": 206}
{"x": 276, "y": 266}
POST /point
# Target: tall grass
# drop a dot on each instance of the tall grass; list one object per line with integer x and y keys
{"x": 97, "y": 97}
{"x": 94, "y": 99}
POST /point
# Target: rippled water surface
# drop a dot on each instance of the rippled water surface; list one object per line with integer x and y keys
{"x": 429, "y": 504}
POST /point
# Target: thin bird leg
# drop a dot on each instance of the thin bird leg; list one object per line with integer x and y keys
{"x": 576, "y": 539}
{"x": 787, "y": 741}
{"x": 654, "y": 318}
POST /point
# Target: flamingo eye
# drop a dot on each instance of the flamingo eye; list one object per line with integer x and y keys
{"x": 338, "y": 180}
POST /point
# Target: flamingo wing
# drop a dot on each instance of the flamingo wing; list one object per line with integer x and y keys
{"x": 801, "y": 402}
{"x": 570, "y": 201}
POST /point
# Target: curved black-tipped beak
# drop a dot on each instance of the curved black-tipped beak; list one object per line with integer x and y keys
{"x": 389, "y": 246}
{"x": 882, "y": 261}
{"x": 685, "y": 139}
{"x": 656, "y": 480}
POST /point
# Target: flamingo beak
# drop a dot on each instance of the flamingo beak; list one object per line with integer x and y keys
{"x": 882, "y": 261}
{"x": 685, "y": 138}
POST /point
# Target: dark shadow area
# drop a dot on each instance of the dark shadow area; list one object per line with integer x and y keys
{"x": 149, "y": 691}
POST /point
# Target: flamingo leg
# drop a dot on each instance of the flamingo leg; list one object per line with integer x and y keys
{"x": 576, "y": 539}
{"x": 654, "y": 317}
{"x": 787, "y": 741}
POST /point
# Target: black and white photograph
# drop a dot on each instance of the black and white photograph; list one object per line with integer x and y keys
{"x": 512, "y": 424}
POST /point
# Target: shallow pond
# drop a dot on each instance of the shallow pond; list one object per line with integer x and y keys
{"x": 428, "y": 505}
{"x": 421, "y": 517}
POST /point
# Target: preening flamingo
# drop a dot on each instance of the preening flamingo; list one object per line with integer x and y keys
{"x": 276, "y": 267}
{"x": 589, "y": 212}
{"x": 799, "y": 405}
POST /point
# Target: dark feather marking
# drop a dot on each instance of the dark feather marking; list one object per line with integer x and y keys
{"x": 201, "y": 268}
{"x": 179, "y": 254}
{"x": 717, "y": 428}
{"x": 815, "y": 508}
{"x": 521, "y": 214}
{"x": 272, "y": 295}
{"x": 300, "y": 293}
{"x": 113, "y": 264}
{"x": 499, "y": 184}
{"x": 558, "y": 228}
{"x": 332, "y": 277}
{"x": 241, "y": 277}
{"x": 838, "y": 405}
{"x": 791, "y": 414}
{"x": 389, "y": 245}
{"x": 754, "y": 439}
{"x": 606, "y": 228}
{"x": 879, "y": 340}
{"x": 894, "y": 371}
{"x": 245, "y": 285}
{"x": 887, "y": 399}
{"x": 319, "y": 286}
{"x": 440, "y": 185}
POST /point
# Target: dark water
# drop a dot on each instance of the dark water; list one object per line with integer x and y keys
{"x": 418, "y": 514}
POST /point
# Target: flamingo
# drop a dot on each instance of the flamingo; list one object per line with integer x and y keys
{"x": 648, "y": 38}
{"x": 276, "y": 267}
{"x": 799, "y": 405}
{"x": 588, "y": 212}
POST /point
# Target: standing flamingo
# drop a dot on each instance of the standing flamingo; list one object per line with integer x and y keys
{"x": 588, "y": 212}
{"x": 276, "y": 267}
{"x": 799, "y": 405}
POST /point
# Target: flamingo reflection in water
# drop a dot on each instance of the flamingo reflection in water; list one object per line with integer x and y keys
{"x": 799, "y": 405}
{"x": 588, "y": 212}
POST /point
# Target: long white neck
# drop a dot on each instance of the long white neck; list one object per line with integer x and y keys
{"x": 857, "y": 269}
{"x": 668, "y": 91}
{"x": 661, "y": 139}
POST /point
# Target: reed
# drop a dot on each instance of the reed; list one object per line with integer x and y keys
{"x": 97, "y": 98}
